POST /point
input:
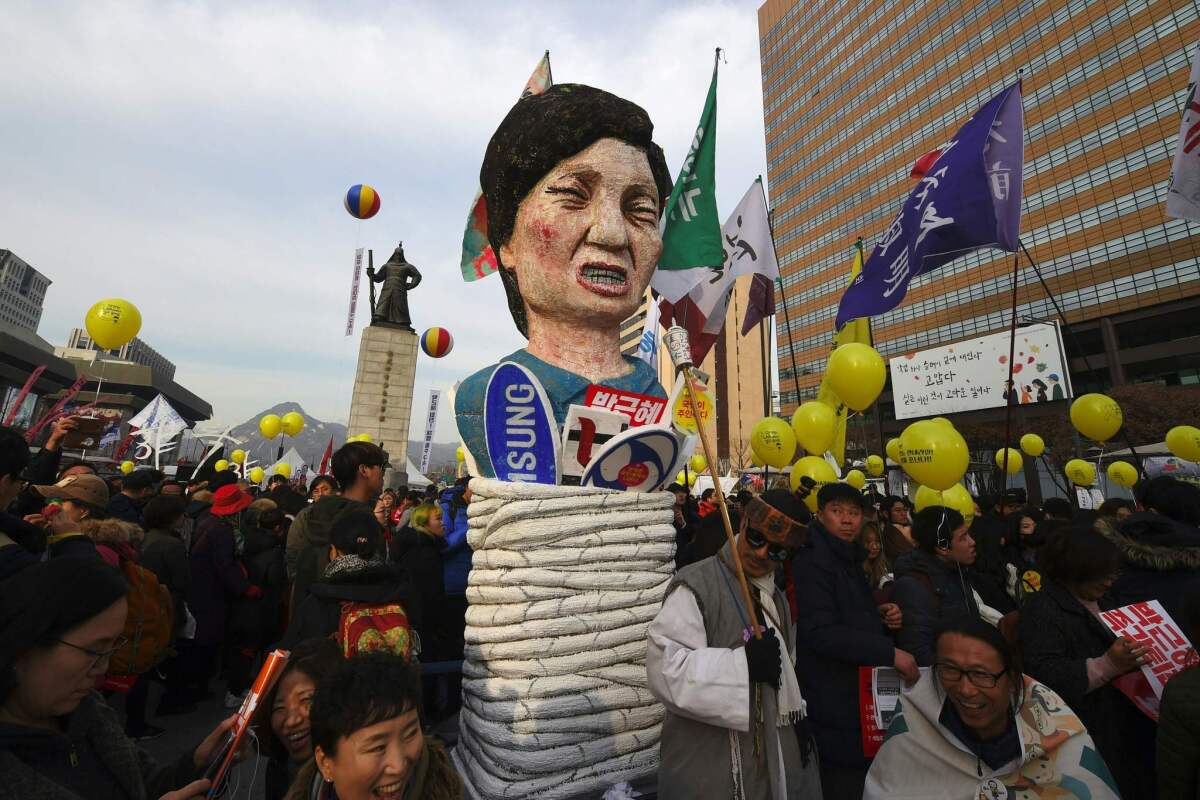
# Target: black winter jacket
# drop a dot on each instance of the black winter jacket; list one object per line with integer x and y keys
{"x": 1058, "y": 635}
{"x": 376, "y": 582}
{"x": 1179, "y": 737}
{"x": 165, "y": 554}
{"x": 928, "y": 600}
{"x": 838, "y": 630}
{"x": 1160, "y": 560}
{"x": 91, "y": 758}
{"x": 420, "y": 555}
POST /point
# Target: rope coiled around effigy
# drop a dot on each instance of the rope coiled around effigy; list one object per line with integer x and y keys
{"x": 564, "y": 583}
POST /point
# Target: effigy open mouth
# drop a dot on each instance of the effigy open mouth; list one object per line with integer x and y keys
{"x": 608, "y": 280}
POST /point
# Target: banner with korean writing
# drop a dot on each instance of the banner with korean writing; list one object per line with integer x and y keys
{"x": 1169, "y": 651}
{"x": 971, "y": 375}
{"x": 431, "y": 416}
{"x": 354, "y": 291}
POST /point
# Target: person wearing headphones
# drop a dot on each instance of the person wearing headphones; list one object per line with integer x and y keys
{"x": 931, "y": 585}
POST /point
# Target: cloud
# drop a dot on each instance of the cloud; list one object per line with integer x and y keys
{"x": 192, "y": 157}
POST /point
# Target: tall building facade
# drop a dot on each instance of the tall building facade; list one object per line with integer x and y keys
{"x": 22, "y": 292}
{"x": 136, "y": 351}
{"x": 855, "y": 91}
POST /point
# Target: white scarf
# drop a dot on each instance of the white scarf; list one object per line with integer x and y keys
{"x": 791, "y": 703}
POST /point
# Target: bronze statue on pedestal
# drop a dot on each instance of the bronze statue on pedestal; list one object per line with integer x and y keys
{"x": 398, "y": 278}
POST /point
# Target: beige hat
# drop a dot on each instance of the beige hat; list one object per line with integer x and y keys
{"x": 88, "y": 489}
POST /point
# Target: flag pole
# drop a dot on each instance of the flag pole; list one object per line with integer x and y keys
{"x": 676, "y": 342}
{"x": 787, "y": 316}
{"x": 1008, "y": 400}
{"x": 1087, "y": 362}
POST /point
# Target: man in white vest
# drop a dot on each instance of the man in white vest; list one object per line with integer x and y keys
{"x": 735, "y": 717}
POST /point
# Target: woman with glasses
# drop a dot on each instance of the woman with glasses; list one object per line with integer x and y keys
{"x": 1067, "y": 647}
{"x": 60, "y": 624}
{"x": 975, "y": 727}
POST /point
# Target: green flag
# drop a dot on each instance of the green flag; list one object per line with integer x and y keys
{"x": 692, "y": 246}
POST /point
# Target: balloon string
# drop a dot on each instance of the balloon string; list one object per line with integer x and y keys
{"x": 1100, "y": 458}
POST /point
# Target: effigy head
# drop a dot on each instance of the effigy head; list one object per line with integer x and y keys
{"x": 575, "y": 187}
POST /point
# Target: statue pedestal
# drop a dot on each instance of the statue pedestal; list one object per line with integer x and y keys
{"x": 383, "y": 390}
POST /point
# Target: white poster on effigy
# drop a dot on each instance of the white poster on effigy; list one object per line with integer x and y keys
{"x": 970, "y": 375}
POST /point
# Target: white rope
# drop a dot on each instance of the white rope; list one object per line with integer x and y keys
{"x": 564, "y": 583}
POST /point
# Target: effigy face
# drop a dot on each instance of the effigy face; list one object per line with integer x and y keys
{"x": 586, "y": 238}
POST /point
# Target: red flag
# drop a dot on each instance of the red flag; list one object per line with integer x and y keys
{"x": 326, "y": 458}
{"x": 925, "y": 163}
{"x": 686, "y": 314}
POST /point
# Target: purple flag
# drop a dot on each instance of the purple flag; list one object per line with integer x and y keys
{"x": 969, "y": 198}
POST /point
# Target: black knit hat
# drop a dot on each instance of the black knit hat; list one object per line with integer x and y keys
{"x": 539, "y": 132}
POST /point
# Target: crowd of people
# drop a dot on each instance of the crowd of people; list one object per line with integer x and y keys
{"x": 110, "y": 585}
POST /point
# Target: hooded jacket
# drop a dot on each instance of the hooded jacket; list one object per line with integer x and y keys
{"x": 456, "y": 561}
{"x": 92, "y": 757}
{"x": 922, "y": 758}
{"x": 1160, "y": 560}
{"x": 350, "y": 579}
{"x": 928, "y": 590}
{"x": 307, "y": 551}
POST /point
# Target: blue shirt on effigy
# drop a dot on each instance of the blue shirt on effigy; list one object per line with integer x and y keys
{"x": 564, "y": 389}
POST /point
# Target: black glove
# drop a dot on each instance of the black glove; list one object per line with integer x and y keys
{"x": 763, "y": 660}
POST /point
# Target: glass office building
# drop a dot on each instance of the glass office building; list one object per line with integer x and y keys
{"x": 855, "y": 91}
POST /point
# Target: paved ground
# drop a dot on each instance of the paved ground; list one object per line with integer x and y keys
{"x": 185, "y": 731}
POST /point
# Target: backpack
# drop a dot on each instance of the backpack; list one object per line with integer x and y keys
{"x": 148, "y": 626}
{"x": 376, "y": 627}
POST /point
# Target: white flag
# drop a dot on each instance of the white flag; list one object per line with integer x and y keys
{"x": 648, "y": 347}
{"x": 1183, "y": 194}
{"x": 746, "y": 237}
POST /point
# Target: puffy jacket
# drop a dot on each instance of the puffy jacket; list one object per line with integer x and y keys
{"x": 165, "y": 554}
{"x": 1179, "y": 737}
{"x": 420, "y": 554}
{"x": 216, "y": 578}
{"x": 456, "y": 560}
{"x": 838, "y": 630}
{"x": 1160, "y": 560}
{"x": 927, "y": 590}
{"x": 255, "y": 622}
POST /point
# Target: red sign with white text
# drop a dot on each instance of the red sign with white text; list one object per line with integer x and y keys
{"x": 1168, "y": 651}
{"x": 641, "y": 409}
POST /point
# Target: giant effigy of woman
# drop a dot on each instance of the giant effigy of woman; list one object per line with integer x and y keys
{"x": 565, "y": 578}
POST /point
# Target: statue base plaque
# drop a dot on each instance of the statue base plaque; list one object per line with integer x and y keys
{"x": 383, "y": 390}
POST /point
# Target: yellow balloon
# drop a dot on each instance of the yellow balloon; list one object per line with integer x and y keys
{"x": 1096, "y": 416}
{"x": 221, "y": 465}
{"x": 1014, "y": 460}
{"x": 1123, "y": 474}
{"x": 283, "y": 468}
{"x": 698, "y": 463}
{"x": 816, "y": 468}
{"x": 257, "y": 475}
{"x": 459, "y": 455}
{"x": 1184, "y": 442}
{"x": 857, "y": 373}
{"x": 773, "y": 441}
{"x": 875, "y": 466}
{"x": 292, "y": 423}
{"x": 113, "y": 322}
{"x": 892, "y": 448}
{"x": 813, "y": 425}
{"x": 362, "y": 437}
{"x": 238, "y": 456}
{"x": 754, "y": 459}
{"x": 687, "y": 479}
{"x": 127, "y": 467}
{"x": 933, "y": 455}
{"x": 956, "y": 497}
{"x": 1081, "y": 472}
{"x": 942, "y": 421}
{"x": 270, "y": 425}
{"x": 856, "y": 478}
{"x": 1033, "y": 445}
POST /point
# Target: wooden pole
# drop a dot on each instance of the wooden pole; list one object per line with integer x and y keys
{"x": 1008, "y": 401}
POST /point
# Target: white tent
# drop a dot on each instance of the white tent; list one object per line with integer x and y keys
{"x": 415, "y": 479}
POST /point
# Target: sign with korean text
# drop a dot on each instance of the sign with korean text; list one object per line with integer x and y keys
{"x": 1168, "y": 652}
{"x": 354, "y": 291}
{"x": 430, "y": 425}
{"x": 640, "y": 409}
{"x": 586, "y": 430}
{"x": 972, "y": 374}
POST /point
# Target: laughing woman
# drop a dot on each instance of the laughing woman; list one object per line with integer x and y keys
{"x": 975, "y": 727}
{"x": 367, "y": 738}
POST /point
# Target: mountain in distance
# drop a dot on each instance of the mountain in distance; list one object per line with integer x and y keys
{"x": 313, "y": 440}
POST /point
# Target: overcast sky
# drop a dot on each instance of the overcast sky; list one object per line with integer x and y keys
{"x": 192, "y": 157}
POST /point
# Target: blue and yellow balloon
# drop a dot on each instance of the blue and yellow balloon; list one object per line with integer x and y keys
{"x": 362, "y": 201}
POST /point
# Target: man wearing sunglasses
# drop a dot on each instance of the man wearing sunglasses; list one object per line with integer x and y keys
{"x": 734, "y": 724}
